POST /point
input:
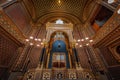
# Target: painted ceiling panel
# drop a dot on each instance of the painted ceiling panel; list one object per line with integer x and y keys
{"x": 18, "y": 15}
{"x": 73, "y": 7}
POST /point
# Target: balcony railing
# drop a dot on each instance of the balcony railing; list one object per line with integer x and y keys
{"x": 58, "y": 74}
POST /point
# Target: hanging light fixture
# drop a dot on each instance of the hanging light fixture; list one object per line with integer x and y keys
{"x": 35, "y": 41}
{"x": 84, "y": 42}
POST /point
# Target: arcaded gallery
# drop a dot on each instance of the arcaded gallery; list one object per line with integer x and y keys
{"x": 59, "y": 39}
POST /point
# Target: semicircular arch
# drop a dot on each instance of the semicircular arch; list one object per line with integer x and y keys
{"x": 65, "y": 16}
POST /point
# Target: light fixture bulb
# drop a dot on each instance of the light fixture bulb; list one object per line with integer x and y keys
{"x": 27, "y": 40}
{"x": 110, "y": 1}
{"x": 80, "y": 45}
{"x": 39, "y": 39}
{"x": 78, "y": 40}
{"x": 86, "y": 38}
{"x": 41, "y": 43}
{"x": 31, "y": 44}
{"x": 31, "y": 37}
{"x": 36, "y": 39}
{"x": 82, "y": 39}
{"x": 87, "y": 44}
{"x": 76, "y": 44}
{"x": 118, "y": 11}
{"x": 38, "y": 45}
{"x": 91, "y": 40}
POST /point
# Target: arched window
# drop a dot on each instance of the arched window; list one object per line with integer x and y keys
{"x": 59, "y": 21}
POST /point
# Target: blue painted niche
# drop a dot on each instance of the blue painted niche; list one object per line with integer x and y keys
{"x": 59, "y": 46}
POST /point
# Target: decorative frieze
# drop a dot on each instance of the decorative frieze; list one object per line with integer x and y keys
{"x": 58, "y": 74}
{"x": 107, "y": 28}
{"x": 10, "y": 27}
{"x": 52, "y": 27}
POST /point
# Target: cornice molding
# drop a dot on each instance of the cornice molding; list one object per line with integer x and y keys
{"x": 8, "y": 3}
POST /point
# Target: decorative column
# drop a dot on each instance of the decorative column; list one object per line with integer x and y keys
{"x": 74, "y": 55}
{"x": 42, "y": 57}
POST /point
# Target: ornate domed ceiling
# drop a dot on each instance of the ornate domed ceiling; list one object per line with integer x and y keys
{"x": 80, "y": 9}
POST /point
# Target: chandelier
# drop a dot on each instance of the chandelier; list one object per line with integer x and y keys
{"x": 83, "y": 42}
{"x": 35, "y": 41}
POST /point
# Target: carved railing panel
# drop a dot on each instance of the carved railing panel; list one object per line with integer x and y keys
{"x": 108, "y": 27}
{"x": 58, "y": 74}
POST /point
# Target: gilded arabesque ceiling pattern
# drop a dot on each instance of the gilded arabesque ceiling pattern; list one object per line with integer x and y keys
{"x": 73, "y": 7}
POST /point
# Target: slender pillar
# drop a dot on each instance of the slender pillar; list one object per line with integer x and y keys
{"x": 42, "y": 56}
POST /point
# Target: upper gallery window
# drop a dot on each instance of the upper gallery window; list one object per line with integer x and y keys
{"x": 4, "y": 1}
{"x": 59, "y": 21}
{"x": 110, "y": 1}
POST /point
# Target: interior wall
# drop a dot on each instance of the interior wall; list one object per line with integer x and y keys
{"x": 2, "y": 1}
{"x": 34, "y": 54}
{"x": 19, "y": 16}
{"x": 8, "y": 54}
{"x": 34, "y": 57}
{"x": 103, "y": 14}
{"x": 108, "y": 54}
{"x": 82, "y": 55}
